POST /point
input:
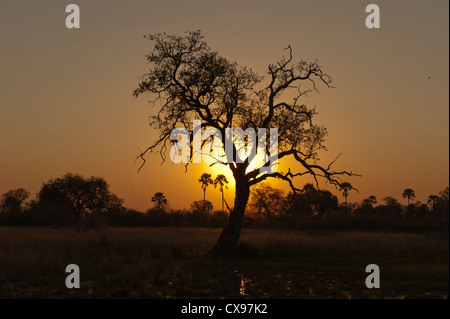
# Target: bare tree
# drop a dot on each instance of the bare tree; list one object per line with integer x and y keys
{"x": 188, "y": 80}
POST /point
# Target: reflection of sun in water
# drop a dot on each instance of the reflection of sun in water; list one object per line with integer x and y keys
{"x": 242, "y": 288}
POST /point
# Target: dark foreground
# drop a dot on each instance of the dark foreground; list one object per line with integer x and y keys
{"x": 170, "y": 263}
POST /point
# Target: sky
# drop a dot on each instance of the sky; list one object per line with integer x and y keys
{"x": 66, "y": 101}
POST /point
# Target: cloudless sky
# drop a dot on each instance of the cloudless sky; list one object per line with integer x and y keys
{"x": 66, "y": 100}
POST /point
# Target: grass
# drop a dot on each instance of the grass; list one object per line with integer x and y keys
{"x": 170, "y": 263}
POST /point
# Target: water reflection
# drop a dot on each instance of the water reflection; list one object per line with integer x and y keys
{"x": 243, "y": 284}
{"x": 244, "y": 281}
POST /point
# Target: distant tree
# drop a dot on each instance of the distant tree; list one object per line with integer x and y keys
{"x": 445, "y": 193}
{"x": 160, "y": 201}
{"x": 192, "y": 81}
{"x": 13, "y": 200}
{"x": 202, "y": 206}
{"x": 391, "y": 201}
{"x": 79, "y": 194}
{"x": 345, "y": 188}
{"x": 444, "y": 202}
{"x": 222, "y": 182}
{"x": 409, "y": 194}
{"x": 433, "y": 201}
{"x": 315, "y": 201}
{"x": 266, "y": 200}
{"x": 370, "y": 201}
{"x": 205, "y": 180}
{"x": 444, "y": 196}
{"x": 392, "y": 210}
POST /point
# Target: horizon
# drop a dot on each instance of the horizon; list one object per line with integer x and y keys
{"x": 68, "y": 106}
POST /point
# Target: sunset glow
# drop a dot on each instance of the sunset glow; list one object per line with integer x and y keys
{"x": 67, "y": 105}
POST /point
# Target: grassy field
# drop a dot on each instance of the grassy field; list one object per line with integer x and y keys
{"x": 170, "y": 263}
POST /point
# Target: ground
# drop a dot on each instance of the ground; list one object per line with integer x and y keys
{"x": 172, "y": 263}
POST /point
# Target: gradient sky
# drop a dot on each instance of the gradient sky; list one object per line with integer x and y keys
{"x": 66, "y": 102}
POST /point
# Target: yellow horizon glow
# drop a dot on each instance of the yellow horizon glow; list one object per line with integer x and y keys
{"x": 68, "y": 107}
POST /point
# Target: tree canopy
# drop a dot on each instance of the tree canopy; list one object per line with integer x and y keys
{"x": 80, "y": 195}
{"x": 13, "y": 200}
{"x": 188, "y": 81}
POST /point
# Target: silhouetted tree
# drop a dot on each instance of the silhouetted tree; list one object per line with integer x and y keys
{"x": 160, "y": 201}
{"x": 13, "y": 200}
{"x": 370, "y": 201}
{"x": 409, "y": 194}
{"x": 345, "y": 188}
{"x": 202, "y": 206}
{"x": 79, "y": 194}
{"x": 312, "y": 201}
{"x": 391, "y": 201}
{"x": 266, "y": 200}
{"x": 444, "y": 196}
{"x": 222, "y": 182}
{"x": 391, "y": 210}
{"x": 205, "y": 180}
{"x": 443, "y": 204}
{"x": 433, "y": 200}
{"x": 192, "y": 81}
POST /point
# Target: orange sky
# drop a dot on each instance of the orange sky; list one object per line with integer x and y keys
{"x": 66, "y": 103}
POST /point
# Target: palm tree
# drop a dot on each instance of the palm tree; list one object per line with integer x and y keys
{"x": 160, "y": 201}
{"x": 345, "y": 188}
{"x": 409, "y": 193}
{"x": 205, "y": 180}
{"x": 221, "y": 181}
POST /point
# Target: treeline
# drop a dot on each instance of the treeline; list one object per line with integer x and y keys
{"x": 73, "y": 200}
{"x": 313, "y": 209}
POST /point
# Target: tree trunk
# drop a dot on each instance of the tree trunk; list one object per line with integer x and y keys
{"x": 231, "y": 233}
{"x": 204, "y": 200}
{"x": 222, "y": 201}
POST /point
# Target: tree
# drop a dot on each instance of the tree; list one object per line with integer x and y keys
{"x": 205, "y": 180}
{"x": 320, "y": 201}
{"x": 312, "y": 201}
{"x": 202, "y": 206}
{"x": 370, "y": 201}
{"x": 188, "y": 81}
{"x": 444, "y": 197}
{"x": 409, "y": 194}
{"x": 445, "y": 194}
{"x": 79, "y": 194}
{"x": 345, "y": 188}
{"x": 160, "y": 201}
{"x": 442, "y": 206}
{"x": 391, "y": 210}
{"x": 266, "y": 200}
{"x": 221, "y": 181}
{"x": 391, "y": 201}
{"x": 433, "y": 200}
{"x": 13, "y": 200}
